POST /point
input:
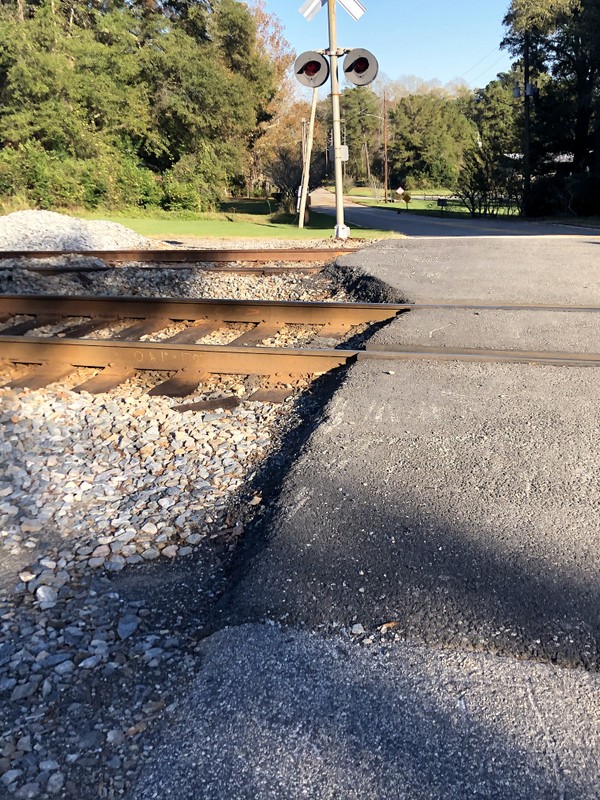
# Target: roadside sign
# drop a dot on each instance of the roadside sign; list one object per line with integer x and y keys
{"x": 311, "y": 8}
{"x": 344, "y": 153}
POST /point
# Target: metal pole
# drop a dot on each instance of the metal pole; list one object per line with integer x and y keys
{"x": 526, "y": 131}
{"x": 385, "y": 148}
{"x": 341, "y": 230}
{"x": 307, "y": 157}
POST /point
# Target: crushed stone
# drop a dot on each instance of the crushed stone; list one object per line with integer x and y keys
{"x": 48, "y": 230}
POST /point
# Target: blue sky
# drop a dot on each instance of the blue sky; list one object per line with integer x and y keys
{"x": 443, "y": 39}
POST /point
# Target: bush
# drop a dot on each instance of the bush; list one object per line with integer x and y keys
{"x": 111, "y": 180}
{"x": 347, "y": 184}
{"x": 548, "y": 196}
{"x": 47, "y": 180}
{"x": 180, "y": 195}
{"x": 584, "y": 197}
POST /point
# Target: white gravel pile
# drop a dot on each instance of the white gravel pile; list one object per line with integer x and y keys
{"x": 47, "y": 230}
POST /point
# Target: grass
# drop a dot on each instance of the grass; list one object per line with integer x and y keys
{"x": 245, "y": 219}
{"x": 429, "y": 208}
{"x": 365, "y": 191}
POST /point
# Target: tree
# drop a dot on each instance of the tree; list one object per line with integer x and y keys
{"x": 118, "y": 101}
{"x": 285, "y": 171}
{"x": 540, "y": 15}
{"x": 361, "y": 116}
{"x": 565, "y": 38}
{"x": 428, "y": 139}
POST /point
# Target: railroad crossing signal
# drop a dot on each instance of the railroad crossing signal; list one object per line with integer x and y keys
{"x": 311, "y": 8}
{"x": 360, "y": 66}
{"x": 311, "y": 69}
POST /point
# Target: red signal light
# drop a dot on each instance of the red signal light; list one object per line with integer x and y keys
{"x": 361, "y": 65}
{"x": 311, "y": 68}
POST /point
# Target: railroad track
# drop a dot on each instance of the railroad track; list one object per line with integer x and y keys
{"x": 189, "y": 362}
{"x": 118, "y": 358}
{"x": 233, "y": 261}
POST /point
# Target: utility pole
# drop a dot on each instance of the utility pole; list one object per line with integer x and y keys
{"x": 306, "y": 155}
{"x": 526, "y": 129}
{"x": 341, "y": 230}
{"x": 312, "y": 69}
{"x": 385, "y": 146}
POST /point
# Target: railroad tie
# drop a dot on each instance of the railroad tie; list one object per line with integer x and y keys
{"x": 109, "y": 378}
{"x": 80, "y": 329}
{"x": 262, "y": 331}
{"x": 41, "y": 377}
{"x": 141, "y": 328}
{"x": 197, "y": 330}
{"x": 20, "y": 328}
{"x": 183, "y": 383}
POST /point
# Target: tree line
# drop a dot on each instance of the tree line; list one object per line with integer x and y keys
{"x": 528, "y": 141}
{"x": 119, "y": 103}
{"x": 178, "y": 103}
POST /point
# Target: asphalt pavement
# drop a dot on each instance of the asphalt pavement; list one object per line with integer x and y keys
{"x": 454, "y": 504}
{"x": 285, "y": 715}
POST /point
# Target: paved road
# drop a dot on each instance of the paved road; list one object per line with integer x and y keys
{"x": 283, "y": 715}
{"x": 416, "y": 225}
{"x": 458, "y": 502}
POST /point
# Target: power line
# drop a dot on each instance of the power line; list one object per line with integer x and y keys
{"x": 487, "y": 69}
{"x": 481, "y": 60}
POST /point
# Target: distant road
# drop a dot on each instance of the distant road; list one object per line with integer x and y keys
{"x": 416, "y": 225}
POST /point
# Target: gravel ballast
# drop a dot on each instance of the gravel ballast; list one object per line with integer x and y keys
{"x": 117, "y": 515}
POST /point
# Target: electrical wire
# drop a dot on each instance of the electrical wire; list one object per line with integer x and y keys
{"x": 487, "y": 69}
{"x": 481, "y": 60}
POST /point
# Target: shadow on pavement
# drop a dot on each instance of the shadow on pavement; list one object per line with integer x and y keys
{"x": 276, "y": 713}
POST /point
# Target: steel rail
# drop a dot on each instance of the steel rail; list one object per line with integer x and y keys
{"x": 187, "y": 256}
{"x": 460, "y": 305}
{"x": 182, "y": 309}
{"x": 479, "y": 355}
{"x": 222, "y": 359}
{"x": 229, "y": 359}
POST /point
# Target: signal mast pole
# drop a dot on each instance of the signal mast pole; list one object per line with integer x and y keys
{"x": 341, "y": 230}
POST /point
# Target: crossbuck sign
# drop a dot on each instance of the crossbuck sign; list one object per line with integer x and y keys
{"x": 312, "y": 7}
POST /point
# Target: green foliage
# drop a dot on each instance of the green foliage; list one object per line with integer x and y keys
{"x": 489, "y": 183}
{"x": 562, "y": 38}
{"x": 529, "y": 15}
{"x": 362, "y": 118}
{"x": 135, "y": 104}
{"x": 429, "y": 137}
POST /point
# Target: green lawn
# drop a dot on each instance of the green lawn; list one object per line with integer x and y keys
{"x": 365, "y": 191}
{"x": 236, "y": 219}
{"x": 430, "y": 208}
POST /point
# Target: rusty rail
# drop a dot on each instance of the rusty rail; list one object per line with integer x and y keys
{"x": 116, "y": 308}
{"x": 222, "y": 359}
{"x": 187, "y": 256}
